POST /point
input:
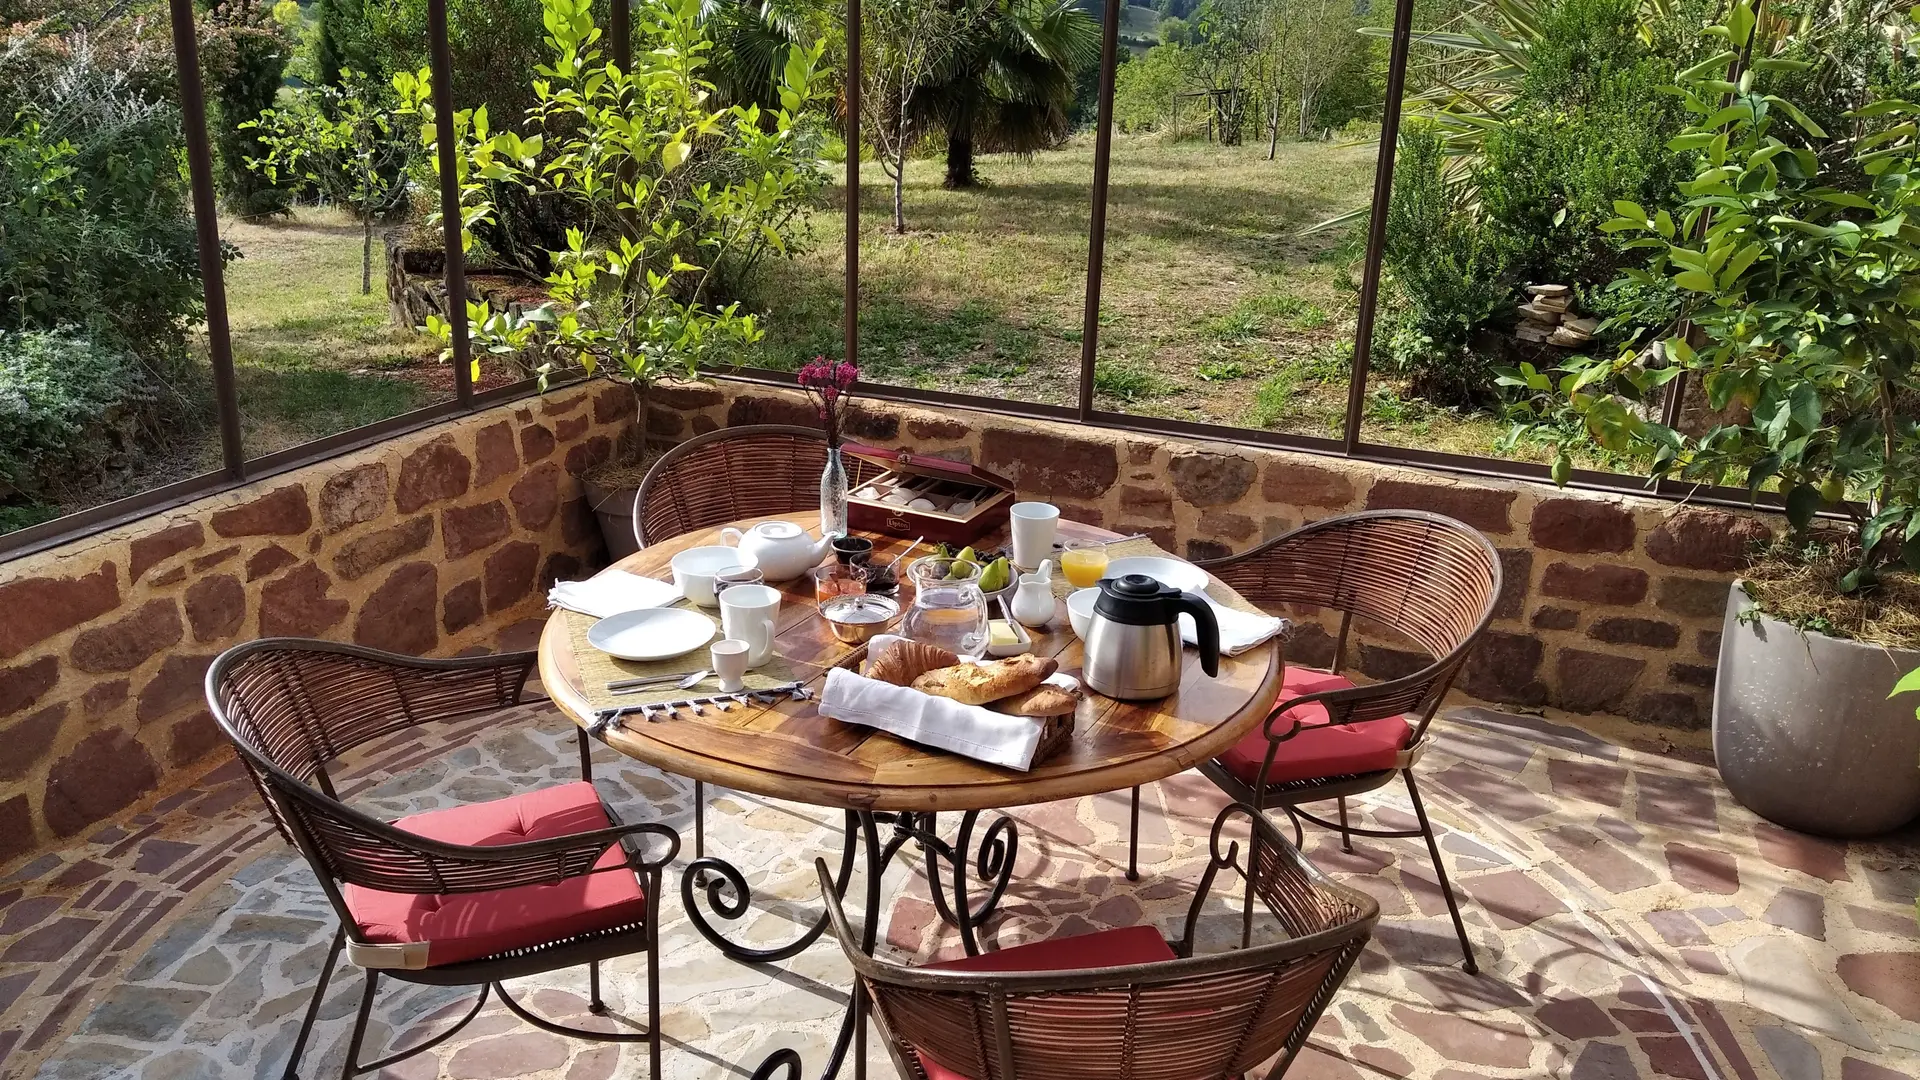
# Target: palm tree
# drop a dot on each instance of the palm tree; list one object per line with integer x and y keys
{"x": 1008, "y": 86}
{"x": 751, "y": 41}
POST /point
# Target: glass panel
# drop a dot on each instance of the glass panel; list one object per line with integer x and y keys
{"x": 103, "y": 394}
{"x": 1239, "y": 125}
{"x": 972, "y": 265}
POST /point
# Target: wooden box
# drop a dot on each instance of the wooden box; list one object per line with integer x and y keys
{"x": 960, "y": 502}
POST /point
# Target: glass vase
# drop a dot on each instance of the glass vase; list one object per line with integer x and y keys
{"x": 833, "y": 495}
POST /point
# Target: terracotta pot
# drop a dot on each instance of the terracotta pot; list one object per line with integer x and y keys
{"x": 613, "y": 507}
{"x": 1803, "y": 731}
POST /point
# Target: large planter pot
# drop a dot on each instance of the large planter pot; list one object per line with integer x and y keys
{"x": 1803, "y": 732}
{"x": 613, "y": 508}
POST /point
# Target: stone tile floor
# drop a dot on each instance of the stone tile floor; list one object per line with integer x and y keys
{"x": 1630, "y": 919}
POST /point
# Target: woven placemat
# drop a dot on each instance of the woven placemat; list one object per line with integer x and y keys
{"x": 597, "y": 669}
{"x": 1141, "y": 546}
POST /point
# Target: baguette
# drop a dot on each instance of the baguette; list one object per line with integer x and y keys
{"x": 1043, "y": 700}
{"x": 978, "y": 684}
{"x": 906, "y": 661}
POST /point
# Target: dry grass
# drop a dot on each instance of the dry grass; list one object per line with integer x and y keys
{"x": 1798, "y": 585}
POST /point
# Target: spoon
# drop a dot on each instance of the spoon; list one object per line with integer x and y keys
{"x": 904, "y": 554}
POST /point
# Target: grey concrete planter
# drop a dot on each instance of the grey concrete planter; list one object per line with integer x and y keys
{"x": 613, "y": 508}
{"x": 1803, "y": 732}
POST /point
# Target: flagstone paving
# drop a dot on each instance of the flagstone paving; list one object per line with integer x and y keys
{"x": 1631, "y": 921}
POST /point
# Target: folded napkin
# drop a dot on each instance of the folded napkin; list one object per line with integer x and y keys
{"x": 611, "y": 592}
{"x": 969, "y": 730}
{"x": 1239, "y": 630}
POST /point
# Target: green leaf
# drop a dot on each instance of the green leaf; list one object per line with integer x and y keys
{"x": 1696, "y": 280}
{"x": 1738, "y": 265}
{"x": 1632, "y": 210}
{"x": 1908, "y": 684}
{"x": 1662, "y": 223}
{"x": 1803, "y": 501}
{"x": 1793, "y": 113}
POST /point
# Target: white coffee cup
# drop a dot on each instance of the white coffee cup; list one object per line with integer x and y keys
{"x": 750, "y": 613}
{"x": 730, "y": 663}
{"x": 694, "y": 569}
{"x": 1034, "y": 525}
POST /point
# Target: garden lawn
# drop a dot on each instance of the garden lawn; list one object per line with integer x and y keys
{"x": 1214, "y": 307}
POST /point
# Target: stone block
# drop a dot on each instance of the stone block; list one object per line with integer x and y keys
{"x": 215, "y": 607}
{"x": 1582, "y": 526}
{"x": 1162, "y": 535}
{"x": 467, "y": 529}
{"x": 104, "y": 695}
{"x": 665, "y": 424}
{"x": 1042, "y": 464}
{"x": 1486, "y": 509}
{"x": 354, "y": 496}
{"x": 1290, "y": 481}
{"x": 561, "y": 404}
{"x": 365, "y": 554}
{"x": 38, "y": 608}
{"x": 1150, "y": 503}
{"x": 155, "y": 548}
{"x": 870, "y": 423}
{"x": 536, "y": 496}
{"x": 267, "y": 560}
{"x": 434, "y": 472}
{"x": 1626, "y": 630}
{"x": 1667, "y": 709}
{"x": 582, "y": 457}
{"x": 1707, "y": 644}
{"x": 1310, "y": 645}
{"x": 1594, "y": 682}
{"x": 571, "y": 428}
{"x": 28, "y": 740}
{"x": 1201, "y": 550}
{"x": 1384, "y": 662}
{"x": 928, "y": 429}
{"x": 462, "y": 607}
{"x": 1203, "y": 478}
{"x": 536, "y": 443}
{"x": 686, "y": 397}
{"x": 401, "y": 615}
{"x": 127, "y": 642}
{"x": 1505, "y": 667}
{"x": 107, "y": 771}
{"x": 1700, "y": 675}
{"x": 1696, "y": 598}
{"x": 281, "y": 512}
{"x": 193, "y": 738}
{"x": 1707, "y": 540}
{"x": 615, "y": 403}
{"x": 1604, "y": 584}
{"x": 1140, "y": 452}
{"x": 177, "y": 683}
{"x": 22, "y": 684}
{"x": 754, "y": 409}
{"x": 214, "y": 558}
{"x": 560, "y": 566}
{"x": 509, "y": 574}
{"x": 16, "y": 828}
{"x": 1516, "y": 582}
{"x": 494, "y": 455}
{"x": 299, "y": 604}
{"x": 1231, "y": 526}
{"x": 1555, "y": 618}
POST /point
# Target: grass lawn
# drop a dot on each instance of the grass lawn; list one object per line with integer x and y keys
{"x": 1213, "y": 307}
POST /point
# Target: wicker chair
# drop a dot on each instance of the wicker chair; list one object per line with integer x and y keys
{"x": 1423, "y": 576}
{"x": 734, "y": 473}
{"x": 466, "y": 896}
{"x": 1126, "y": 1002}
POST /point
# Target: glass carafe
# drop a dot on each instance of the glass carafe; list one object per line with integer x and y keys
{"x": 949, "y": 610}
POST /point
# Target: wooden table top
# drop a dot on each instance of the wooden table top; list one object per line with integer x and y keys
{"x": 789, "y": 751}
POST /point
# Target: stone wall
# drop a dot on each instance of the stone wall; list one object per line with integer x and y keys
{"x": 1612, "y": 604}
{"x": 427, "y": 544}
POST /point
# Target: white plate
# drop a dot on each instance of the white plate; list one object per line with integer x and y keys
{"x": 1181, "y": 575}
{"x": 651, "y": 633}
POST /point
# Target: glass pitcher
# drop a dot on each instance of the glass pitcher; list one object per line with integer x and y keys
{"x": 949, "y": 610}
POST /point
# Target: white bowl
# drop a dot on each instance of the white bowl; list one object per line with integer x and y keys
{"x": 694, "y": 568}
{"x": 1080, "y": 610}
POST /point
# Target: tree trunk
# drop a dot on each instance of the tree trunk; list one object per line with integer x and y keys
{"x": 960, "y": 161}
{"x": 1273, "y": 128}
{"x": 366, "y": 251}
{"x": 900, "y": 194}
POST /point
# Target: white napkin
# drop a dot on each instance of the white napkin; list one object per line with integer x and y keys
{"x": 611, "y": 592}
{"x": 1239, "y": 630}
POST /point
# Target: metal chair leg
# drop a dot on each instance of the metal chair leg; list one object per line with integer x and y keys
{"x": 594, "y": 1005}
{"x": 1346, "y": 838}
{"x": 699, "y": 819}
{"x": 1133, "y": 839}
{"x": 313, "y": 1007}
{"x": 586, "y": 755}
{"x": 1440, "y": 873}
{"x": 351, "y": 1069}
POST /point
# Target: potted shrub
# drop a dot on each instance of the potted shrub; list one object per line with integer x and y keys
{"x": 676, "y": 200}
{"x": 1788, "y": 289}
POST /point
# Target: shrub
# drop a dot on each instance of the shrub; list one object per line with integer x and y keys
{"x": 245, "y": 53}
{"x": 69, "y": 408}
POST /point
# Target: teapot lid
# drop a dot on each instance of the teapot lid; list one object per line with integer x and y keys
{"x": 1135, "y": 600}
{"x": 777, "y": 530}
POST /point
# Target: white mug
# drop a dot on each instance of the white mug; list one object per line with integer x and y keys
{"x": 1034, "y": 525}
{"x": 749, "y": 613}
{"x": 694, "y": 570}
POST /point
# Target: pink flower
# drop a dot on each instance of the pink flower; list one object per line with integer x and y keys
{"x": 827, "y": 382}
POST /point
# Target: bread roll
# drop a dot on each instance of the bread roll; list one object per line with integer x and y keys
{"x": 978, "y": 684}
{"x": 1042, "y": 700}
{"x": 905, "y": 661}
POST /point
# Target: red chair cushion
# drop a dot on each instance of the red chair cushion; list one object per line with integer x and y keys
{"x": 1105, "y": 948}
{"x": 467, "y": 926}
{"x": 1318, "y": 749}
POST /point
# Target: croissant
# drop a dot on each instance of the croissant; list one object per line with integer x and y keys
{"x": 906, "y": 661}
{"x": 977, "y": 684}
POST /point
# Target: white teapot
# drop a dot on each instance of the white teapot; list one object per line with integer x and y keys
{"x": 782, "y": 550}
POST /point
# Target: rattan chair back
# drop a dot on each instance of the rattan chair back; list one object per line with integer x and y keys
{"x": 1193, "y": 1018}
{"x": 1423, "y": 576}
{"x": 735, "y": 473}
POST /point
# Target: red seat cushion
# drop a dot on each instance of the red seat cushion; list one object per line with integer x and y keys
{"x": 1318, "y": 749}
{"x": 467, "y": 926}
{"x": 1106, "y": 948}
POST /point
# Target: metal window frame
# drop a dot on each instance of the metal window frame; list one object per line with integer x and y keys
{"x": 238, "y": 470}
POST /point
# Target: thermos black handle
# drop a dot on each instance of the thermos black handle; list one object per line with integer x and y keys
{"x": 1206, "y": 629}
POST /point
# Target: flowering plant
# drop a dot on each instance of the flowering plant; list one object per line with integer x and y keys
{"x": 829, "y": 384}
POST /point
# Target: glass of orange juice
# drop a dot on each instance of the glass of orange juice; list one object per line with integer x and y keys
{"x": 1083, "y": 561}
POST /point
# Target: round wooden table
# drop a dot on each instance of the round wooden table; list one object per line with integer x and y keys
{"x": 787, "y": 750}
